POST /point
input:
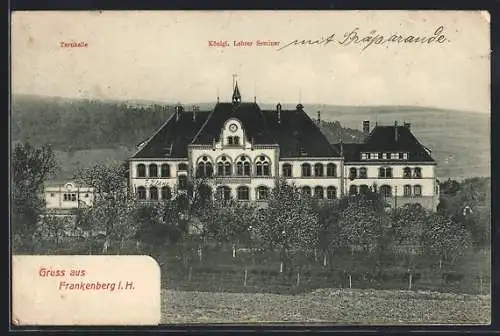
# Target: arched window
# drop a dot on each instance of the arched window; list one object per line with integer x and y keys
{"x": 364, "y": 189}
{"x": 243, "y": 193}
{"x": 319, "y": 192}
{"x": 306, "y": 190}
{"x": 331, "y": 170}
{"x": 417, "y": 172}
{"x": 182, "y": 166}
{"x": 407, "y": 190}
{"x": 306, "y": 169}
{"x": 287, "y": 170}
{"x": 262, "y": 193}
{"x": 236, "y": 140}
{"x": 385, "y": 172}
{"x": 363, "y": 173}
{"x": 417, "y": 190}
{"x": 223, "y": 192}
{"x": 182, "y": 179}
{"x": 165, "y": 170}
{"x": 224, "y": 166}
{"x": 386, "y": 190}
{"x": 262, "y": 166}
{"x": 141, "y": 193}
{"x": 243, "y": 166}
{"x": 318, "y": 169}
{"x": 331, "y": 192}
{"x": 166, "y": 194}
{"x": 204, "y": 167}
{"x": 407, "y": 172}
{"x": 353, "y": 173}
{"x": 153, "y": 170}
{"x": 153, "y": 193}
{"x": 230, "y": 140}
{"x": 353, "y": 190}
{"x": 141, "y": 170}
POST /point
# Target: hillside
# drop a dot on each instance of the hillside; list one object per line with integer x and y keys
{"x": 83, "y": 131}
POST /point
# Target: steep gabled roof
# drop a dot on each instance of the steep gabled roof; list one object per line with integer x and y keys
{"x": 174, "y": 136}
{"x": 249, "y": 114}
{"x": 388, "y": 139}
{"x": 298, "y": 135}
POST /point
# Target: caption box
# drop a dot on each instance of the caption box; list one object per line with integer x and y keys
{"x": 85, "y": 290}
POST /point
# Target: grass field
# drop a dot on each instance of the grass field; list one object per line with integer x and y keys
{"x": 337, "y": 306}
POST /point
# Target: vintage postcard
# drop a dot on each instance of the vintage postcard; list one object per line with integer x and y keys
{"x": 250, "y": 166}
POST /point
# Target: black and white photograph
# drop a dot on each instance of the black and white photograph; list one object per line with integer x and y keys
{"x": 288, "y": 166}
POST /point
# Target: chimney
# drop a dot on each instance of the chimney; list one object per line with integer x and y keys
{"x": 366, "y": 127}
{"x": 407, "y": 125}
{"x": 195, "y": 109}
{"x": 319, "y": 118}
{"x": 396, "y": 130}
{"x": 278, "y": 112}
{"x": 178, "y": 110}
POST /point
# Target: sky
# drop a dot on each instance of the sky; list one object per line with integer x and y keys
{"x": 165, "y": 56}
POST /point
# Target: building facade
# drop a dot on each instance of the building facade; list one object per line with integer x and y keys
{"x": 67, "y": 196}
{"x": 240, "y": 151}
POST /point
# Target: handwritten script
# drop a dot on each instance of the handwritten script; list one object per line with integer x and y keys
{"x": 373, "y": 38}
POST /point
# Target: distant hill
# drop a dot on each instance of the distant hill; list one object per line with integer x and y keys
{"x": 79, "y": 128}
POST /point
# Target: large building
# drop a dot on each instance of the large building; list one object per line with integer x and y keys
{"x": 241, "y": 150}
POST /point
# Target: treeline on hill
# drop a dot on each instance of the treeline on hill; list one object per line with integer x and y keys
{"x": 70, "y": 125}
{"x": 356, "y": 237}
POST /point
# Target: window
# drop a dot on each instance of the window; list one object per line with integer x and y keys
{"x": 318, "y": 169}
{"x": 153, "y": 193}
{"x": 287, "y": 170}
{"x": 385, "y": 172}
{"x": 182, "y": 166}
{"x": 153, "y": 170}
{"x": 262, "y": 166}
{"x": 394, "y": 156}
{"x": 306, "y": 191}
{"x": 417, "y": 172}
{"x": 387, "y": 156}
{"x": 405, "y": 156}
{"x": 51, "y": 194}
{"x": 224, "y": 166}
{"x": 141, "y": 193}
{"x": 353, "y": 190}
{"x": 69, "y": 197}
{"x": 306, "y": 169}
{"x": 141, "y": 170}
{"x": 364, "y": 156}
{"x": 182, "y": 182}
{"x": 407, "y": 190}
{"x": 165, "y": 170}
{"x": 204, "y": 167}
{"x": 243, "y": 166}
{"x": 331, "y": 192}
{"x": 362, "y": 173}
{"x": 407, "y": 172}
{"x": 262, "y": 193}
{"x": 401, "y": 156}
{"x": 236, "y": 140}
{"x": 331, "y": 170}
{"x": 243, "y": 194}
{"x": 319, "y": 192}
{"x": 223, "y": 192}
{"x": 374, "y": 156}
{"x": 86, "y": 196}
{"x": 353, "y": 173}
{"x": 230, "y": 140}
{"x": 166, "y": 194}
{"x": 386, "y": 190}
{"x": 364, "y": 189}
{"x": 417, "y": 190}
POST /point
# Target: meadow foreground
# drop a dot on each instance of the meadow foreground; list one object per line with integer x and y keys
{"x": 337, "y": 306}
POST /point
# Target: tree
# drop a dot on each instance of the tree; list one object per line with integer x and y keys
{"x": 113, "y": 206}
{"x": 444, "y": 238}
{"x": 31, "y": 168}
{"x": 288, "y": 223}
